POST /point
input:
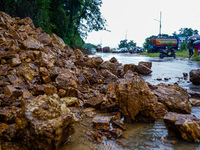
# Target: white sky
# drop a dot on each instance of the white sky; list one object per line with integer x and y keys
{"x": 136, "y": 17}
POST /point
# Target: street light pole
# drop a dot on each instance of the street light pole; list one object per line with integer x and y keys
{"x": 160, "y": 23}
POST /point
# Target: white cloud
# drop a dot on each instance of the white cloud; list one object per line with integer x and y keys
{"x": 137, "y": 18}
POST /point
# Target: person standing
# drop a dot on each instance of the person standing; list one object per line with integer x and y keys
{"x": 190, "y": 48}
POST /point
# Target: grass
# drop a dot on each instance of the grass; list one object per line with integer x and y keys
{"x": 195, "y": 58}
{"x": 151, "y": 54}
{"x": 182, "y": 53}
{"x": 179, "y": 53}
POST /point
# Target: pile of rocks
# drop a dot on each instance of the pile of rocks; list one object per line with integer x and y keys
{"x": 44, "y": 85}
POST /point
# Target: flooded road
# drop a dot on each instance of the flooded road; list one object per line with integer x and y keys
{"x": 142, "y": 136}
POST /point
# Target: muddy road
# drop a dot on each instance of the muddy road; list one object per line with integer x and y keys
{"x": 142, "y": 136}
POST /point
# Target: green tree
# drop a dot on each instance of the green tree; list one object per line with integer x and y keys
{"x": 131, "y": 44}
{"x": 187, "y": 32}
{"x": 123, "y": 43}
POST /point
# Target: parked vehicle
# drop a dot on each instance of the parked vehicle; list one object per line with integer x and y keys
{"x": 123, "y": 50}
{"x": 99, "y": 49}
{"x": 93, "y": 50}
{"x": 165, "y": 53}
{"x": 115, "y": 50}
{"x": 106, "y": 49}
{"x": 156, "y": 44}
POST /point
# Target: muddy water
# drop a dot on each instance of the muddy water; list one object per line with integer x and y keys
{"x": 142, "y": 136}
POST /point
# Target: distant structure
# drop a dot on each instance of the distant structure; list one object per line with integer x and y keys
{"x": 160, "y": 24}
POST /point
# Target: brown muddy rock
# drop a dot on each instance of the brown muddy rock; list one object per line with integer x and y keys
{"x": 66, "y": 79}
{"x": 6, "y": 100}
{"x": 93, "y": 62}
{"x": 112, "y": 67}
{"x": 58, "y": 41}
{"x": 100, "y": 122}
{"x": 110, "y": 105}
{"x": 4, "y": 69}
{"x": 31, "y": 44}
{"x": 44, "y": 38}
{"x": 14, "y": 48}
{"x": 143, "y": 69}
{"x": 12, "y": 91}
{"x": 130, "y": 74}
{"x": 7, "y": 133}
{"x": 131, "y": 67}
{"x": 92, "y": 76}
{"x": 8, "y": 114}
{"x": 174, "y": 97}
{"x": 113, "y": 60}
{"x": 161, "y": 110}
{"x": 14, "y": 79}
{"x": 195, "y": 76}
{"x": 109, "y": 76}
{"x": 38, "y": 90}
{"x": 110, "y": 93}
{"x": 186, "y": 126}
{"x": 78, "y": 53}
{"x": 29, "y": 72}
{"x": 46, "y": 79}
{"x": 194, "y": 102}
{"x": 136, "y": 100}
{"x": 147, "y": 64}
{"x": 69, "y": 101}
{"x": 116, "y": 133}
{"x": 15, "y": 61}
{"x": 50, "y": 89}
{"x": 61, "y": 93}
{"x": 94, "y": 102}
{"x": 47, "y": 60}
{"x": 45, "y": 123}
{"x": 71, "y": 92}
{"x": 53, "y": 72}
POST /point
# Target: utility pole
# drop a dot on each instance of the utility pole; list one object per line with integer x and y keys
{"x": 126, "y": 35}
{"x": 160, "y": 23}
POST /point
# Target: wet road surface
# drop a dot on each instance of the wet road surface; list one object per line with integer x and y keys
{"x": 152, "y": 136}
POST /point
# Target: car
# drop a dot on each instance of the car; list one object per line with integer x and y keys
{"x": 123, "y": 50}
{"x": 93, "y": 50}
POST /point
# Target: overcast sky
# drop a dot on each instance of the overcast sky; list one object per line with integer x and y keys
{"x": 136, "y": 18}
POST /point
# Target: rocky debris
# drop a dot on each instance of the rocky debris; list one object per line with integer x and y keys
{"x": 185, "y": 75}
{"x": 136, "y": 100}
{"x": 45, "y": 86}
{"x": 101, "y": 123}
{"x": 195, "y": 76}
{"x": 174, "y": 97}
{"x": 186, "y": 126}
{"x": 144, "y": 68}
{"x": 44, "y": 123}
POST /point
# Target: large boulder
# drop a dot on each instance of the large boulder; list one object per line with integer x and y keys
{"x": 186, "y": 126}
{"x": 136, "y": 100}
{"x": 174, "y": 97}
{"x": 195, "y": 76}
{"x": 143, "y": 68}
{"x": 44, "y": 123}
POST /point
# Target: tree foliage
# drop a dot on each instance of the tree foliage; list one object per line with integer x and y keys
{"x": 187, "y": 32}
{"x": 69, "y": 19}
{"x": 125, "y": 43}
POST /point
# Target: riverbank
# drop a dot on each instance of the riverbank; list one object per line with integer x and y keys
{"x": 181, "y": 53}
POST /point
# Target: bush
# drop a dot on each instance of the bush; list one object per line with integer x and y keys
{"x": 196, "y": 58}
